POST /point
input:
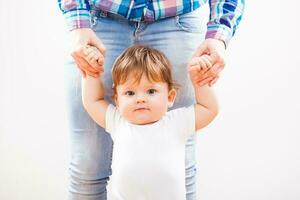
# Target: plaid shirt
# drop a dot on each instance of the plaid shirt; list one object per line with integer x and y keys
{"x": 225, "y": 15}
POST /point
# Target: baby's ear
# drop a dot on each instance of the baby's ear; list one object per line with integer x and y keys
{"x": 115, "y": 99}
{"x": 171, "y": 97}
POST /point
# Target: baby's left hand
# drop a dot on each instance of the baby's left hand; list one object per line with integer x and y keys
{"x": 197, "y": 67}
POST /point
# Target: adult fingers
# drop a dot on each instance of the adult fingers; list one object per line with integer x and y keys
{"x": 201, "y": 50}
{"x": 217, "y": 59}
{"x": 95, "y": 75}
{"x": 206, "y": 74}
{"x": 82, "y": 72}
{"x": 101, "y": 61}
{"x": 93, "y": 61}
{"x": 194, "y": 74}
{"x": 78, "y": 51}
{"x": 96, "y": 42}
{"x": 213, "y": 81}
{"x": 84, "y": 65}
{"x": 215, "y": 69}
{"x": 205, "y": 81}
{"x": 210, "y": 74}
{"x": 217, "y": 65}
{"x": 80, "y": 54}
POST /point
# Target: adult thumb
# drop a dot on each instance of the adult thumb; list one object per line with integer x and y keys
{"x": 201, "y": 50}
{"x": 99, "y": 45}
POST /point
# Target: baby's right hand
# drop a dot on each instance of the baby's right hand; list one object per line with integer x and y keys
{"x": 197, "y": 67}
{"x": 93, "y": 55}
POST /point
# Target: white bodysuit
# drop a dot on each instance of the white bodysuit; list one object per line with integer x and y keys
{"x": 149, "y": 160}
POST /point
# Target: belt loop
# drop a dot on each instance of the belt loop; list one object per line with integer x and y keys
{"x": 103, "y": 13}
{"x": 93, "y": 20}
{"x": 93, "y": 17}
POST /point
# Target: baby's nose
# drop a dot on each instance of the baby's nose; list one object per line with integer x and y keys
{"x": 141, "y": 98}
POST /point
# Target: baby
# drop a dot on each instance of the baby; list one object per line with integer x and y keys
{"x": 149, "y": 141}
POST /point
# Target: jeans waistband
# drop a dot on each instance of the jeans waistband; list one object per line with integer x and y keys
{"x": 96, "y": 12}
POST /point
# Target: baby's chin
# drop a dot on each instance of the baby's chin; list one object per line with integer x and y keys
{"x": 142, "y": 118}
{"x": 142, "y": 121}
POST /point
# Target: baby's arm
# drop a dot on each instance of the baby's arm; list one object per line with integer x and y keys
{"x": 93, "y": 93}
{"x": 206, "y": 107}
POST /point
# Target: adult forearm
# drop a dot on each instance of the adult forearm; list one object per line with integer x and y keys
{"x": 224, "y": 19}
{"x": 76, "y": 12}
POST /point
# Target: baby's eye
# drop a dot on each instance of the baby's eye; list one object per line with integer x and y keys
{"x": 129, "y": 93}
{"x": 151, "y": 91}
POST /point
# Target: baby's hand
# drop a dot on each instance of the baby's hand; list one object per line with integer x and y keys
{"x": 92, "y": 55}
{"x": 197, "y": 67}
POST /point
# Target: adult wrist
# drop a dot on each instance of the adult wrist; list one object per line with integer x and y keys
{"x": 77, "y": 19}
{"x": 219, "y": 32}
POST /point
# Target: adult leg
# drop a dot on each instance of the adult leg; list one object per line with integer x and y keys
{"x": 91, "y": 146}
{"x": 178, "y": 37}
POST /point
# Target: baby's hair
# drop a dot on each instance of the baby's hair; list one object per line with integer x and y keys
{"x": 140, "y": 60}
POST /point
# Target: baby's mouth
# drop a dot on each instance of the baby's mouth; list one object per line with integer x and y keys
{"x": 141, "y": 109}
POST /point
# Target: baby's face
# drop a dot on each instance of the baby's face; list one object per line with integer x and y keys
{"x": 144, "y": 102}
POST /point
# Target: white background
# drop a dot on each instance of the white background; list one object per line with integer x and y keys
{"x": 250, "y": 152}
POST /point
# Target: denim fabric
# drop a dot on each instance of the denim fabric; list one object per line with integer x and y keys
{"x": 91, "y": 147}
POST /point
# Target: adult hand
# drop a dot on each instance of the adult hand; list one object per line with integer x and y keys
{"x": 216, "y": 50}
{"x": 197, "y": 67}
{"x": 80, "y": 39}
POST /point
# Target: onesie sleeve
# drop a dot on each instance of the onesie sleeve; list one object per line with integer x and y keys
{"x": 112, "y": 118}
{"x": 183, "y": 119}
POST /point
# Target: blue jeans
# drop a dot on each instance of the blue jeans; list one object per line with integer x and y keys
{"x": 91, "y": 147}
